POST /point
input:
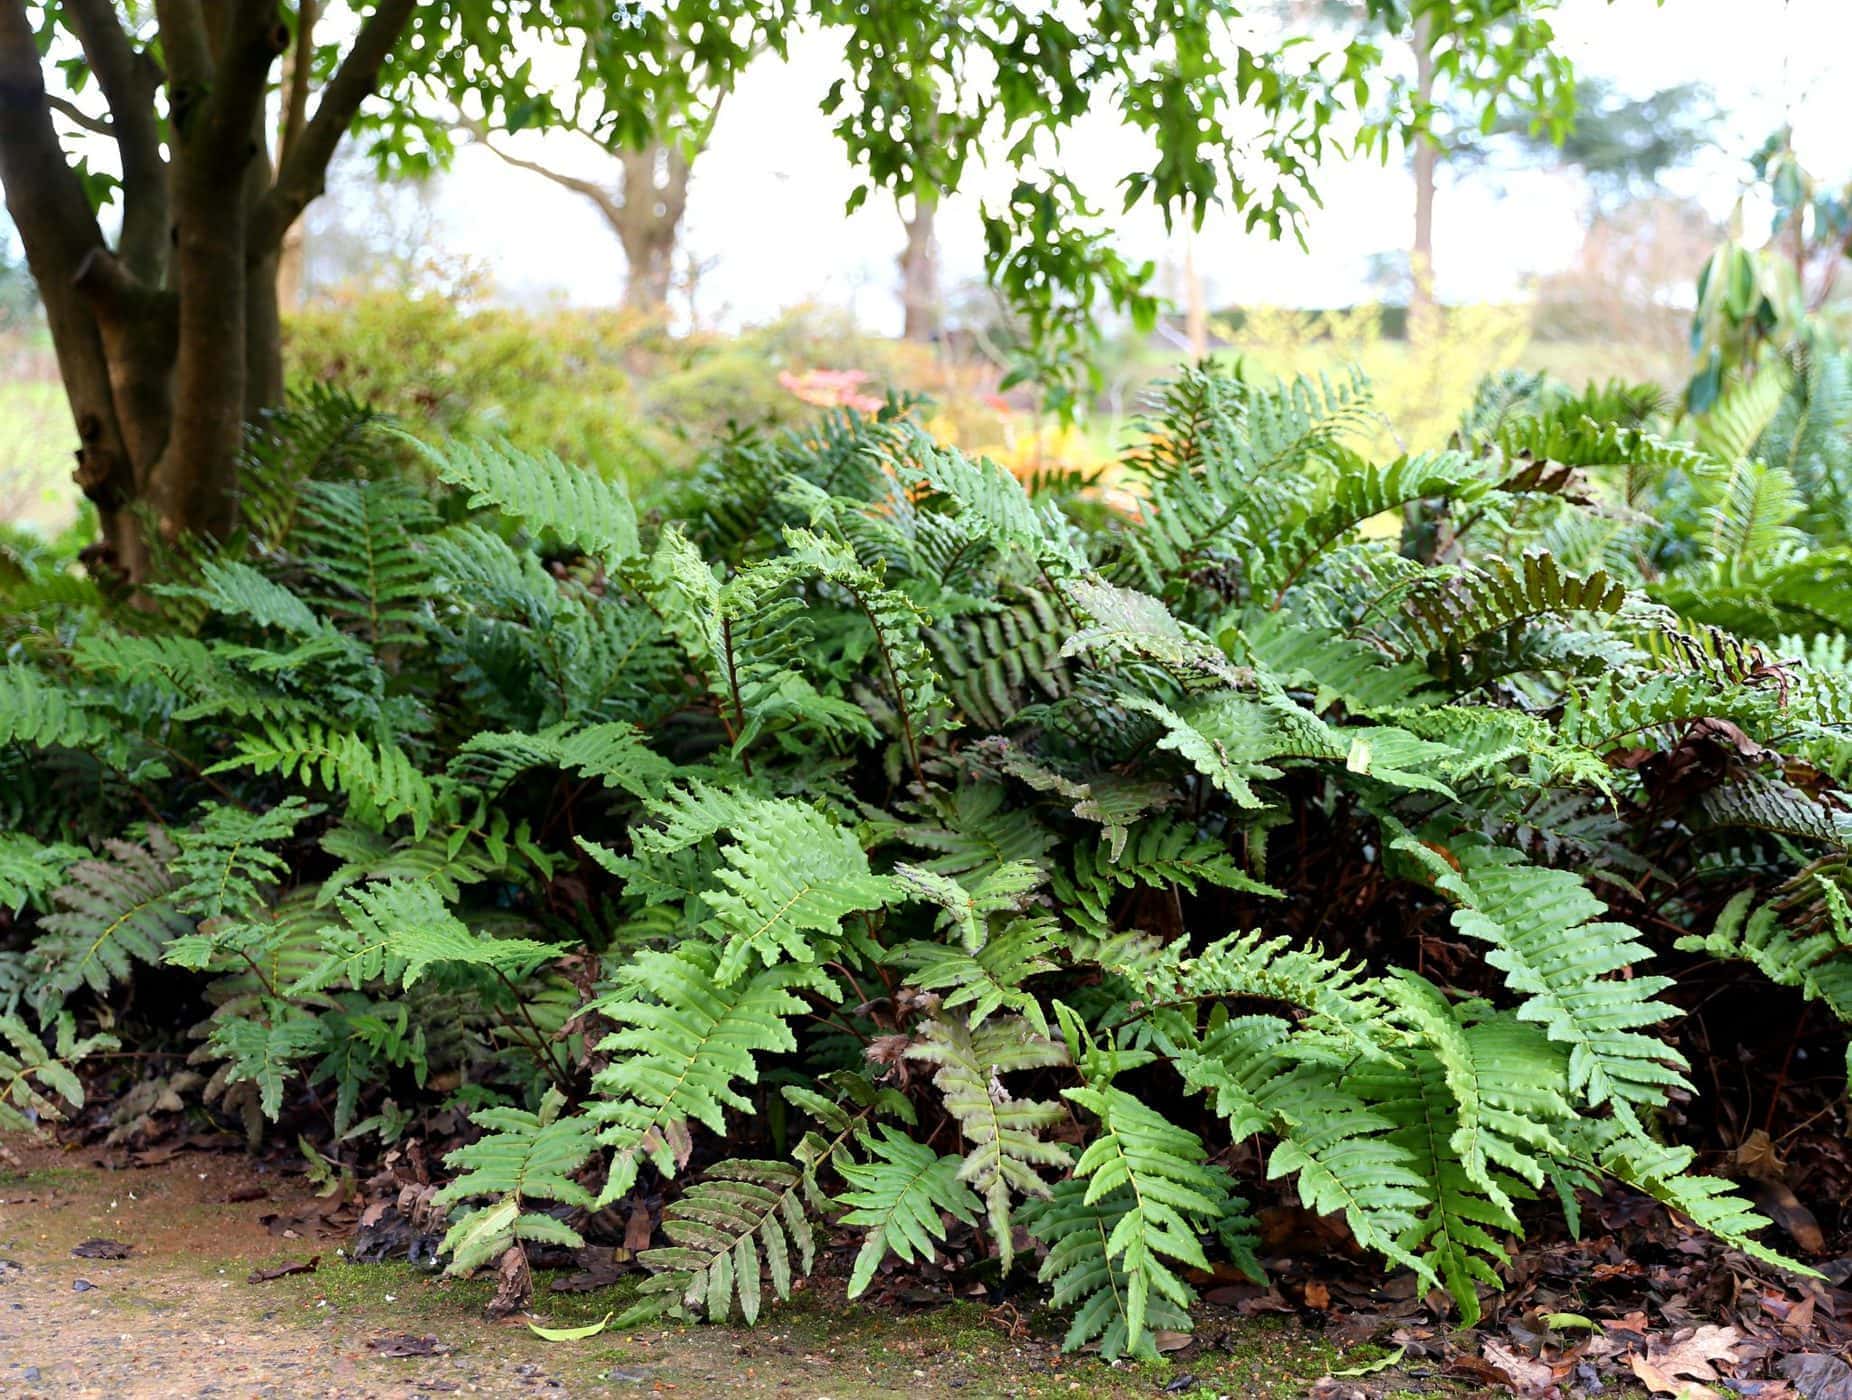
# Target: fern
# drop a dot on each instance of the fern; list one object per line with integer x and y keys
{"x": 901, "y": 1196}
{"x": 1545, "y": 937}
{"x": 359, "y": 537}
{"x": 29, "y": 870}
{"x": 579, "y": 509}
{"x": 1004, "y": 1132}
{"x": 378, "y": 780}
{"x": 521, "y": 1159}
{"x": 1168, "y": 1193}
{"x": 789, "y": 873}
{"x": 399, "y": 930}
{"x": 744, "y": 1221}
{"x": 685, "y": 1043}
{"x": 113, "y": 913}
{"x": 37, "y": 1083}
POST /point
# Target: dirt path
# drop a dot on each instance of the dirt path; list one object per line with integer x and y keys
{"x": 179, "y": 1317}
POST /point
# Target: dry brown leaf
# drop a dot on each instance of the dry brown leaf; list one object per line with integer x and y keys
{"x": 1682, "y": 1367}
{"x": 514, "y": 1284}
{"x": 1525, "y": 1374}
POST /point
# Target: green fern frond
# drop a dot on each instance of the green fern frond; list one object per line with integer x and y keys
{"x": 30, "y": 870}
{"x": 358, "y": 538}
{"x": 38, "y": 1083}
{"x": 789, "y": 873}
{"x": 116, "y": 911}
{"x": 613, "y": 753}
{"x": 1005, "y": 1132}
{"x": 685, "y": 1043}
{"x": 581, "y": 510}
{"x": 399, "y": 930}
{"x": 521, "y": 1158}
{"x": 378, "y": 779}
{"x": 1170, "y": 1195}
{"x": 1448, "y": 617}
{"x": 901, "y": 1197}
{"x": 743, "y": 1221}
{"x": 1547, "y": 939}
{"x": 1730, "y": 430}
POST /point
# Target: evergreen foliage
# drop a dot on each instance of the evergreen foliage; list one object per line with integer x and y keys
{"x": 875, "y": 843}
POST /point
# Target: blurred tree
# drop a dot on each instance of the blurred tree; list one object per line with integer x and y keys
{"x": 1622, "y": 146}
{"x": 19, "y": 299}
{"x": 167, "y": 336}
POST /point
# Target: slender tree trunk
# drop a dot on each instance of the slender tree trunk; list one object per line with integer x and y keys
{"x": 1196, "y": 303}
{"x": 294, "y": 114}
{"x": 1421, "y": 304}
{"x": 919, "y": 272}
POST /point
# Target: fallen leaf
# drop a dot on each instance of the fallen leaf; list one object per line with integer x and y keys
{"x": 1818, "y": 1377}
{"x": 570, "y": 1334}
{"x": 103, "y": 1249}
{"x": 638, "y": 1229}
{"x": 1682, "y": 1366}
{"x": 1370, "y": 1368}
{"x": 300, "y": 1266}
{"x": 514, "y": 1284}
{"x": 405, "y": 1344}
{"x": 1170, "y": 1341}
{"x": 1661, "y": 1382}
{"x": 1522, "y": 1373}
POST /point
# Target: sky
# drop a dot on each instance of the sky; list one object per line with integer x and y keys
{"x": 766, "y": 207}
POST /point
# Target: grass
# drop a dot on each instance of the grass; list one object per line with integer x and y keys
{"x": 35, "y": 456}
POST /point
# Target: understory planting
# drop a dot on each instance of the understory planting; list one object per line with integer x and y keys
{"x": 854, "y": 838}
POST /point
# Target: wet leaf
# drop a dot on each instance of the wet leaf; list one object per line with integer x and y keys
{"x": 103, "y": 1249}
{"x": 570, "y": 1334}
{"x": 1818, "y": 1377}
{"x": 298, "y": 1266}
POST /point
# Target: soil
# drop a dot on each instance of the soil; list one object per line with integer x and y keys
{"x": 181, "y": 1316}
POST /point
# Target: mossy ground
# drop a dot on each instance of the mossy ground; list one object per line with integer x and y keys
{"x": 182, "y": 1297}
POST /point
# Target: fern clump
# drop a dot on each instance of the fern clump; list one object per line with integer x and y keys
{"x": 858, "y": 839}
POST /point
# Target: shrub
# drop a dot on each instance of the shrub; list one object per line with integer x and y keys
{"x": 856, "y": 835}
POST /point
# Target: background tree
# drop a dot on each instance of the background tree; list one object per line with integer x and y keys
{"x": 167, "y": 336}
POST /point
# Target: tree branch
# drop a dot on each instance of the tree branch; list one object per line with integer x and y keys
{"x": 609, "y": 205}
{"x": 129, "y": 80}
{"x": 188, "y": 48}
{"x": 302, "y": 59}
{"x": 303, "y": 169}
{"x": 43, "y": 193}
{"x": 100, "y": 125}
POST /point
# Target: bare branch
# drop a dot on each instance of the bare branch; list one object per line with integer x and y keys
{"x": 303, "y": 169}
{"x": 609, "y": 204}
{"x": 301, "y": 61}
{"x": 100, "y": 125}
{"x": 129, "y": 80}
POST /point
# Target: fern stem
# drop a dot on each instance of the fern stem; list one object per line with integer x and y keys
{"x": 542, "y": 1049}
{"x": 733, "y": 685}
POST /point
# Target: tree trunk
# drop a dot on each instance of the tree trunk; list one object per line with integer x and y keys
{"x": 648, "y": 222}
{"x": 169, "y": 344}
{"x": 1421, "y": 304}
{"x": 919, "y": 273}
{"x": 1196, "y": 303}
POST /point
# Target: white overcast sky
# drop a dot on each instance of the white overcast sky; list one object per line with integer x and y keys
{"x": 767, "y": 200}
